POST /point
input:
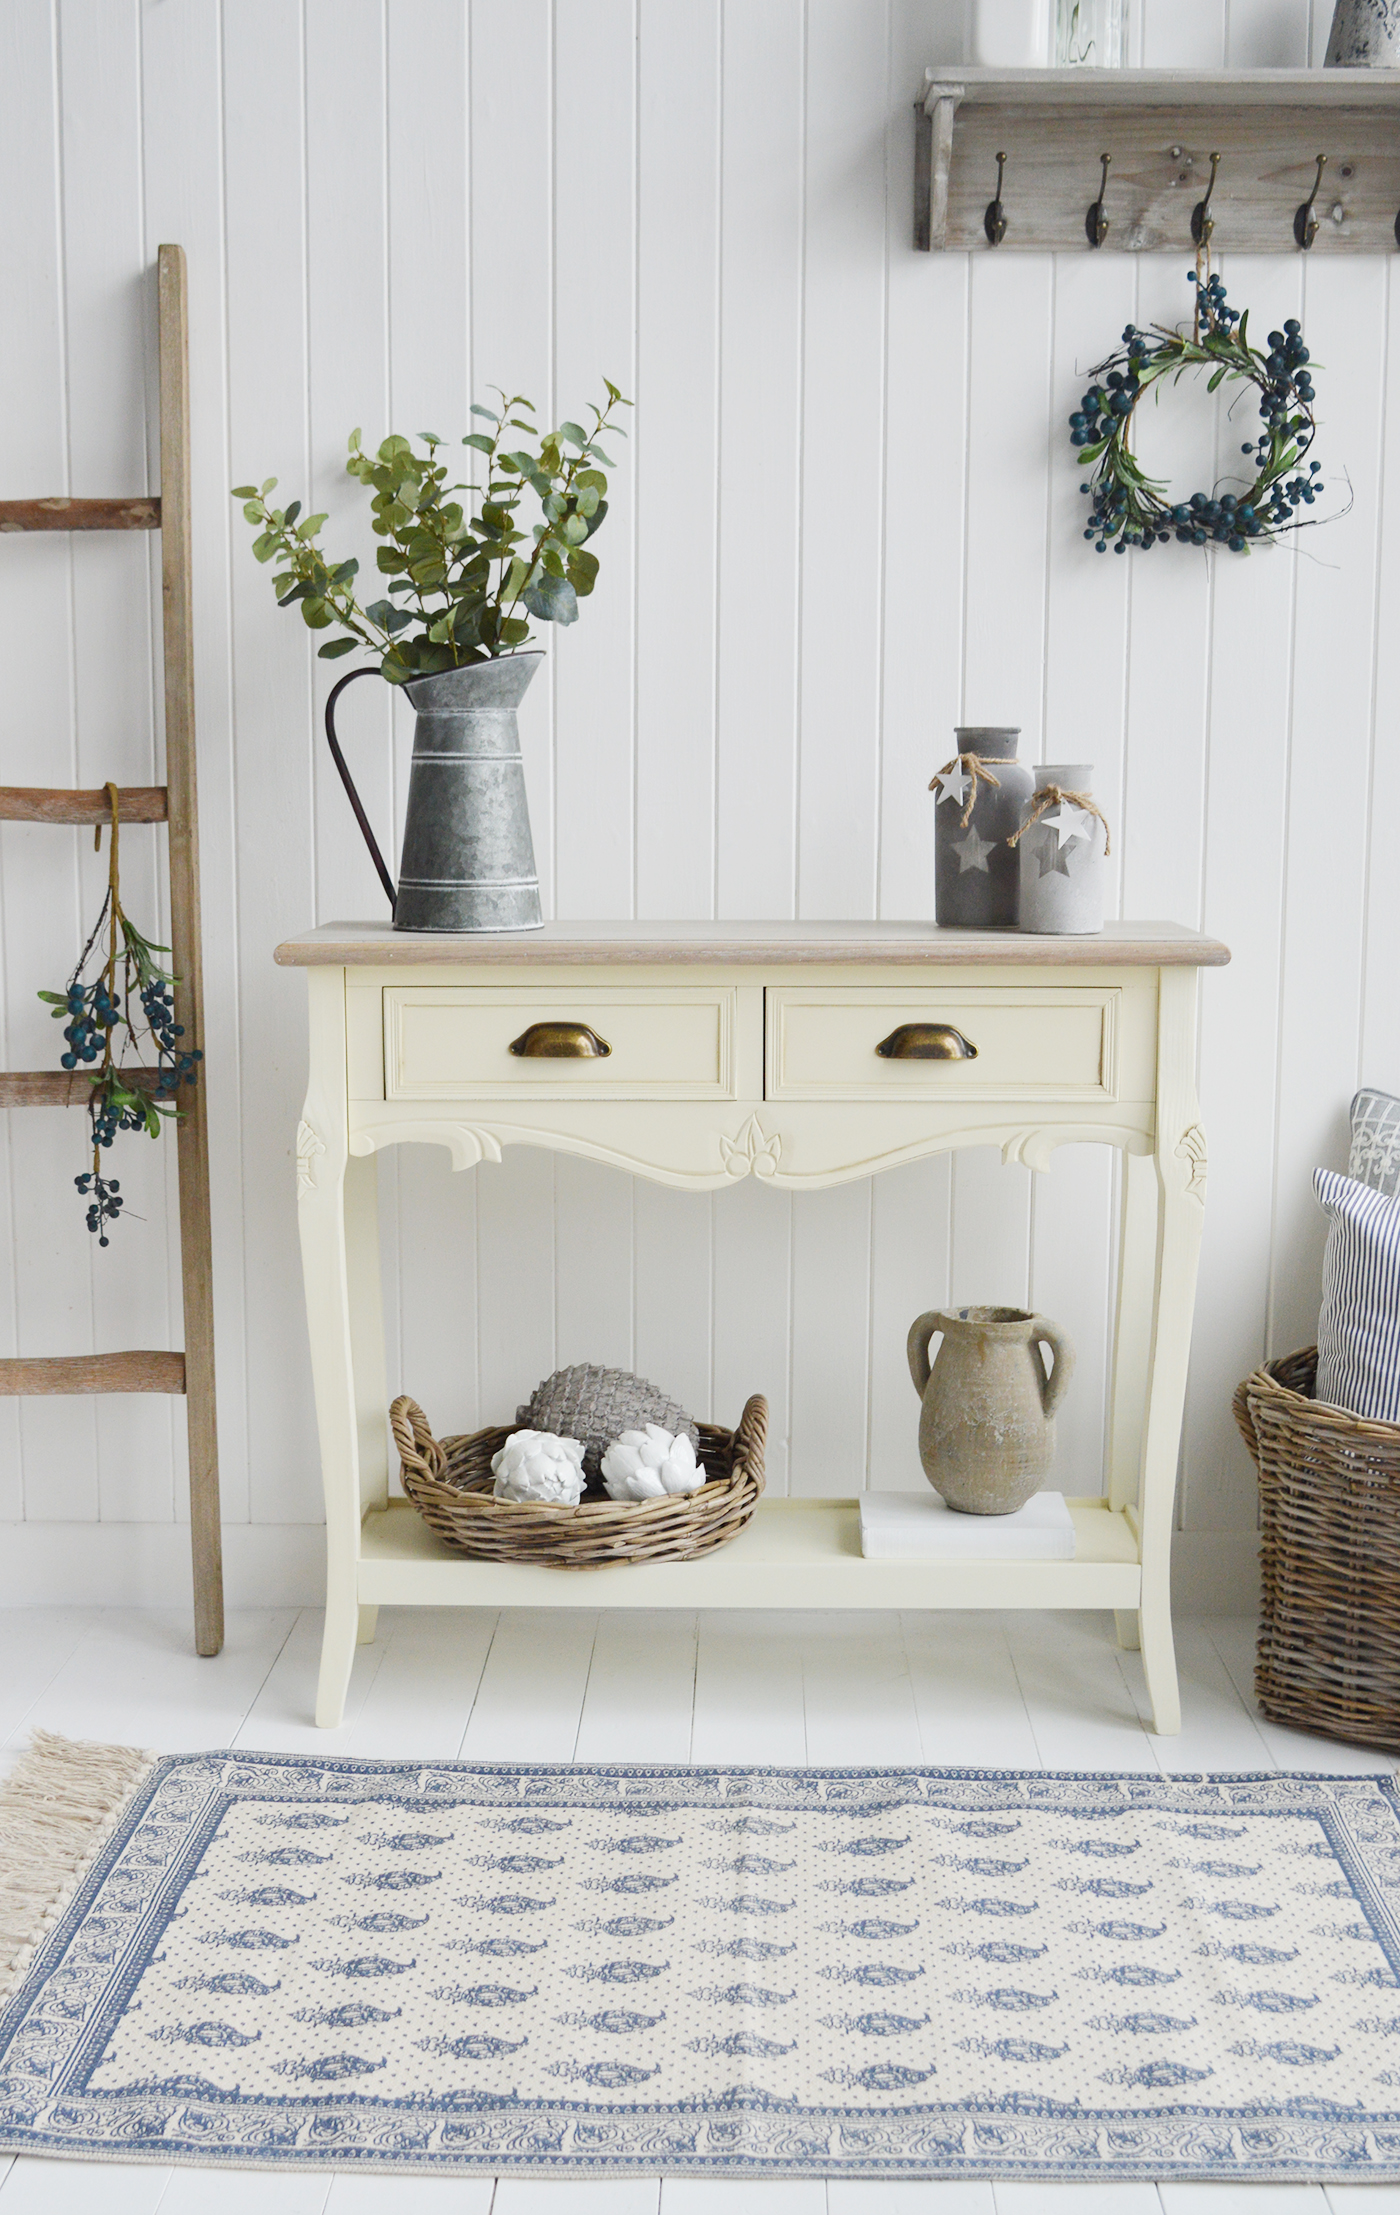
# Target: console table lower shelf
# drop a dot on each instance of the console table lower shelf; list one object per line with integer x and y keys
{"x": 794, "y": 1553}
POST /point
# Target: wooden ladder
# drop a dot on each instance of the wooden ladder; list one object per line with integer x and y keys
{"x": 174, "y": 804}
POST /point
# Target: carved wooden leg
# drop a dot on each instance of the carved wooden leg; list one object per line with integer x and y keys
{"x": 1132, "y": 1349}
{"x": 338, "y": 1642}
{"x": 322, "y": 1161}
{"x": 1180, "y": 1164}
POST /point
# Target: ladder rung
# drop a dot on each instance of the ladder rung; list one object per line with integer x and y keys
{"x": 80, "y": 515}
{"x": 135, "y": 1372}
{"x": 61, "y": 1087}
{"x": 33, "y": 803}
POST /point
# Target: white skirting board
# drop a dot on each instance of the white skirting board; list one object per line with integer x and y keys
{"x": 283, "y": 1565}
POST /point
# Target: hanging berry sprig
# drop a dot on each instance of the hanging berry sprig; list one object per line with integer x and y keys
{"x": 98, "y": 1010}
{"x": 1130, "y": 509}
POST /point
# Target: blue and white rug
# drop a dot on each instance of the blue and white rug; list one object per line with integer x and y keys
{"x": 272, "y": 1960}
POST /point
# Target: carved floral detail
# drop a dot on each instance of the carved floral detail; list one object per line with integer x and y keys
{"x": 1191, "y": 1148}
{"x": 309, "y": 1145}
{"x": 754, "y": 1153}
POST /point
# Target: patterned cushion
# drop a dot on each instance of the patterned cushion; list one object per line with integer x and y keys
{"x": 1358, "y": 1331}
{"x": 1375, "y": 1141}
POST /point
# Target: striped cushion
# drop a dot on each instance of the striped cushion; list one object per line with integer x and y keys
{"x": 1358, "y": 1331}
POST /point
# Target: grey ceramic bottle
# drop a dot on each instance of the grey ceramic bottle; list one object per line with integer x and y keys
{"x": 1062, "y": 878}
{"x": 976, "y": 876}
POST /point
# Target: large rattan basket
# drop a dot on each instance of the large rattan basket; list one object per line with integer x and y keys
{"x": 449, "y": 1482}
{"x": 1329, "y": 1490}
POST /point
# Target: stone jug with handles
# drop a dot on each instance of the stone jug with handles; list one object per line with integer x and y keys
{"x": 987, "y": 1431}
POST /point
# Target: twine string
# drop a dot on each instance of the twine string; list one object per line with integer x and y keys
{"x": 976, "y": 768}
{"x": 1048, "y": 796}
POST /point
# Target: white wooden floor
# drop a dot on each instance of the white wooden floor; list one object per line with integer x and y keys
{"x": 1003, "y": 1691}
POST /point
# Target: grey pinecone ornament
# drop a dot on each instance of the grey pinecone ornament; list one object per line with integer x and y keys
{"x": 596, "y": 1405}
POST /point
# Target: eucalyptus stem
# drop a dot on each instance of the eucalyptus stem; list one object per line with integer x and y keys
{"x": 459, "y": 569}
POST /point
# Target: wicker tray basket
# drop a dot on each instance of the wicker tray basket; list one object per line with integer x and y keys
{"x": 1329, "y": 1490}
{"x": 449, "y": 1482}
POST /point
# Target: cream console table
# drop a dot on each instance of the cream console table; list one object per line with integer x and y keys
{"x": 803, "y": 1053}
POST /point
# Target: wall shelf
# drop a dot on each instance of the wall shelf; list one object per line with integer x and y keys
{"x": 1161, "y": 128}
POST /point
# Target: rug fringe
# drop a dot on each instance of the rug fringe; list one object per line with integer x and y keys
{"x": 58, "y": 1806}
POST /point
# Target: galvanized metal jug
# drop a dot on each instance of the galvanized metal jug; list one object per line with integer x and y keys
{"x": 468, "y": 858}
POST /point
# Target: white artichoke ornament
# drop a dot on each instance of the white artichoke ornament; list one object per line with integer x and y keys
{"x": 535, "y": 1465}
{"x": 648, "y": 1464}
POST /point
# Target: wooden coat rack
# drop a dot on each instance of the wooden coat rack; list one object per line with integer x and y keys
{"x": 1030, "y": 143}
{"x": 174, "y": 804}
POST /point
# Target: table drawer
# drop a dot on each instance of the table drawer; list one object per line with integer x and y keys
{"x": 453, "y": 1042}
{"x": 1044, "y": 1042}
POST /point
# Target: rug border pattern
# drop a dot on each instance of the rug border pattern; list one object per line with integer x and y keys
{"x": 1308, "y": 2141}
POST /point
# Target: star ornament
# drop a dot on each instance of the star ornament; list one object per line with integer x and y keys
{"x": 1067, "y": 821}
{"x": 972, "y": 853}
{"x": 1053, "y": 858}
{"x": 952, "y": 785}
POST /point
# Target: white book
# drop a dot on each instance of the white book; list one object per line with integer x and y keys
{"x": 905, "y": 1526}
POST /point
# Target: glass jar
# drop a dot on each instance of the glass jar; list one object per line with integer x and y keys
{"x": 1091, "y": 34}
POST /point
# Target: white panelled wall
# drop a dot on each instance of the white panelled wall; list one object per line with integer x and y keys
{"x": 847, "y": 519}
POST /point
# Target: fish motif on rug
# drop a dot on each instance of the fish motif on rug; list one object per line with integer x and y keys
{"x": 272, "y": 1960}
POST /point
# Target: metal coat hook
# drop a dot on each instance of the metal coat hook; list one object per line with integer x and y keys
{"x": 1095, "y": 221}
{"x": 994, "y": 221}
{"x": 1305, "y": 222}
{"x": 1202, "y": 221}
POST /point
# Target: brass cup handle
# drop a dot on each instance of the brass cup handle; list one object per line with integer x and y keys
{"x": 561, "y": 1042}
{"x": 927, "y": 1042}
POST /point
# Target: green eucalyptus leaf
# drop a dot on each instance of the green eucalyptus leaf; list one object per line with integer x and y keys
{"x": 245, "y": 492}
{"x": 335, "y": 647}
{"x": 552, "y": 599}
{"x": 480, "y": 441}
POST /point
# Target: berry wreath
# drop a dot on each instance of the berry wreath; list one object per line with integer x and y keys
{"x": 1131, "y": 509}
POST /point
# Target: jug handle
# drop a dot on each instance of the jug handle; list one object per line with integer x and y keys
{"x": 919, "y": 1335}
{"x": 1054, "y": 1387}
{"x": 349, "y": 783}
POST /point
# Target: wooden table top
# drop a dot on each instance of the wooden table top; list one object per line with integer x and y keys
{"x": 593, "y": 944}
